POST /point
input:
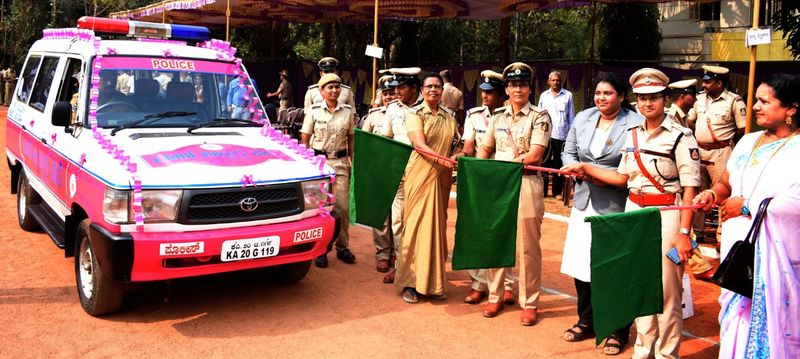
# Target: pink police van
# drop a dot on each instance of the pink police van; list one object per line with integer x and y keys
{"x": 142, "y": 150}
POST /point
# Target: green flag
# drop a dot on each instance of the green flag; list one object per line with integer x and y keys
{"x": 626, "y": 268}
{"x": 378, "y": 166}
{"x": 486, "y": 227}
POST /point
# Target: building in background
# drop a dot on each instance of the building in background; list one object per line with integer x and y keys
{"x": 714, "y": 31}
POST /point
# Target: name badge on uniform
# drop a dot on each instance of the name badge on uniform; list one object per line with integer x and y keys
{"x": 630, "y": 149}
{"x": 480, "y": 131}
{"x": 501, "y": 129}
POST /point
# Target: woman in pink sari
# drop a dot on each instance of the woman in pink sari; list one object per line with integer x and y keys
{"x": 763, "y": 165}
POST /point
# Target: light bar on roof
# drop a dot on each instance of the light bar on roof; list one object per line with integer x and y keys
{"x": 144, "y": 29}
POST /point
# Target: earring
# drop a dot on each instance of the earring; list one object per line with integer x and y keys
{"x": 789, "y": 120}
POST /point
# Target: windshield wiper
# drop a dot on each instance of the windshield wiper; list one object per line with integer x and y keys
{"x": 223, "y": 122}
{"x": 152, "y": 117}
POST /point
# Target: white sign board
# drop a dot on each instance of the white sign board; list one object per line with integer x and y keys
{"x": 758, "y": 37}
{"x": 374, "y": 51}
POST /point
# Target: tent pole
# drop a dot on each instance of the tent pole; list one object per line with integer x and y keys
{"x": 375, "y": 59}
{"x": 228, "y": 22}
{"x": 164, "y": 11}
{"x": 751, "y": 75}
{"x": 590, "y": 78}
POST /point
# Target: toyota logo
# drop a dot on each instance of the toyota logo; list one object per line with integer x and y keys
{"x": 248, "y": 204}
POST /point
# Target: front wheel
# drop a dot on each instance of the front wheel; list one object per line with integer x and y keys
{"x": 290, "y": 273}
{"x": 98, "y": 293}
{"x": 26, "y": 196}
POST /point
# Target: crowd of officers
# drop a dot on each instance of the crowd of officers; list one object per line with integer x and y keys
{"x": 508, "y": 127}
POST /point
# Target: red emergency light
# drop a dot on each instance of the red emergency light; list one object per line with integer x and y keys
{"x": 144, "y": 29}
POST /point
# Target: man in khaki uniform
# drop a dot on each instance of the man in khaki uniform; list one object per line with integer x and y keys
{"x": 406, "y": 87}
{"x": 328, "y": 130}
{"x": 520, "y": 132}
{"x": 329, "y": 65}
{"x": 2, "y": 83}
{"x": 10, "y": 82}
{"x": 718, "y": 120}
{"x": 284, "y": 91}
{"x": 475, "y": 124}
{"x": 683, "y": 95}
{"x": 384, "y": 251}
{"x": 452, "y": 98}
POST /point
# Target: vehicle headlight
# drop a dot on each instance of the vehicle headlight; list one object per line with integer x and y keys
{"x": 157, "y": 205}
{"x": 160, "y": 205}
{"x": 313, "y": 194}
{"x": 115, "y": 206}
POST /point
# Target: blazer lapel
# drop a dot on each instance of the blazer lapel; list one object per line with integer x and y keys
{"x": 588, "y": 132}
{"x": 617, "y": 130}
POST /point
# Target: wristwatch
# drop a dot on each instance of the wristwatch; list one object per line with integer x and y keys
{"x": 685, "y": 231}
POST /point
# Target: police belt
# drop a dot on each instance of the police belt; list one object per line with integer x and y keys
{"x": 331, "y": 155}
{"x": 646, "y": 200}
{"x": 714, "y": 145}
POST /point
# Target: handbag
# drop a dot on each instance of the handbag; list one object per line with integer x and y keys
{"x": 735, "y": 273}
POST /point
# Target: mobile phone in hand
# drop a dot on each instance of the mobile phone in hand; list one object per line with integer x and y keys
{"x": 673, "y": 253}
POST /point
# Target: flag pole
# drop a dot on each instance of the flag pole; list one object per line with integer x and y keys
{"x": 751, "y": 76}
{"x": 375, "y": 59}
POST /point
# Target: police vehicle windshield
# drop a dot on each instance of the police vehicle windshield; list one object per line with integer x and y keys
{"x": 133, "y": 88}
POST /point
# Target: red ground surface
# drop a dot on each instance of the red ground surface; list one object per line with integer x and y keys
{"x": 343, "y": 311}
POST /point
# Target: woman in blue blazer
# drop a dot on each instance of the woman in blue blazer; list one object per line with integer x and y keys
{"x": 596, "y": 137}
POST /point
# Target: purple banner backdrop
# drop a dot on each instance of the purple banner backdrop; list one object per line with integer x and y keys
{"x": 467, "y": 77}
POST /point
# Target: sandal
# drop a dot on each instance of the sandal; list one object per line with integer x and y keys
{"x": 572, "y": 335}
{"x": 613, "y": 348}
{"x": 410, "y": 295}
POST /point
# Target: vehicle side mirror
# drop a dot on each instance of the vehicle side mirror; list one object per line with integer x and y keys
{"x": 62, "y": 114}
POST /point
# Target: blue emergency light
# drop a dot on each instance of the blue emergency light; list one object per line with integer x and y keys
{"x": 144, "y": 29}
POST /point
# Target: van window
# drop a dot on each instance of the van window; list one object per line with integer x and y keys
{"x": 69, "y": 91}
{"x": 27, "y": 76}
{"x": 41, "y": 88}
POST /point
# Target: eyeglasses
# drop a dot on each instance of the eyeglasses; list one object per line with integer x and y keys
{"x": 432, "y": 87}
{"x": 651, "y": 98}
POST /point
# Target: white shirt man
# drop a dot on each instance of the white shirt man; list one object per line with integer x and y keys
{"x": 557, "y": 101}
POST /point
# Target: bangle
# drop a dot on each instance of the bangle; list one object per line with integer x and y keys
{"x": 713, "y": 194}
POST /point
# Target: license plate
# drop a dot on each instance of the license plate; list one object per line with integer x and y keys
{"x": 253, "y": 248}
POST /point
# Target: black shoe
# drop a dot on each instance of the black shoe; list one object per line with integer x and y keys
{"x": 346, "y": 256}
{"x": 321, "y": 261}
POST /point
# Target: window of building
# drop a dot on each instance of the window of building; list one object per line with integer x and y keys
{"x": 707, "y": 11}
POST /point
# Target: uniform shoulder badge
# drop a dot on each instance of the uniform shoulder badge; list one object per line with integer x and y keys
{"x": 393, "y": 101}
{"x": 317, "y": 104}
{"x": 346, "y": 106}
{"x": 694, "y": 153}
{"x": 449, "y": 111}
{"x": 499, "y": 110}
{"x": 416, "y": 108}
{"x": 312, "y": 86}
{"x": 344, "y": 86}
{"x": 374, "y": 109}
{"x": 476, "y": 110}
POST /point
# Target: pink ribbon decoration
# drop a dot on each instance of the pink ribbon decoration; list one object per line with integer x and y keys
{"x": 111, "y": 51}
{"x": 32, "y": 122}
{"x": 167, "y": 53}
{"x": 247, "y": 180}
{"x": 83, "y": 159}
{"x": 53, "y": 138}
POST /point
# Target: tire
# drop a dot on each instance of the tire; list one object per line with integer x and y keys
{"x": 26, "y": 196}
{"x": 290, "y": 273}
{"x": 98, "y": 293}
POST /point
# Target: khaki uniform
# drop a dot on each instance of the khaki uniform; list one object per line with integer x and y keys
{"x": 511, "y": 135}
{"x": 381, "y": 238}
{"x": 285, "y": 95}
{"x": 660, "y": 334}
{"x": 329, "y": 133}
{"x": 452, "y": 98}
{"x": 10, "y": 82}
{"x": 394, "y": 126}
{"x": 716, "y": 121}
{"x": 675, "y": 112}
{"x": 314, "y": 96}
{"x": 2, "y": 85}
{"x": 475, "y": 125}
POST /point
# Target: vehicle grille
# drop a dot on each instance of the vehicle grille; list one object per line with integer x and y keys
{"x": 225, "y": 205}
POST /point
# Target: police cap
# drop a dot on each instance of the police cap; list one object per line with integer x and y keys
{"x": 684, "y": 86}
{"x": 328, "y": 78}
{"x": 518, "y": 71}
{"x": 328, "y": 64}
{"x": 491, "y": 81}
{"x": 712, "y": 72}
{"x": 648, "y": 80}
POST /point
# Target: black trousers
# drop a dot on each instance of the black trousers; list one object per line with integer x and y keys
{"x": 553, "y": 160}
{"x": 586, "y": 314}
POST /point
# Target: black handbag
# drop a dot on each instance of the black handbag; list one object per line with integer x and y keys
{"x": 735, "y": 273}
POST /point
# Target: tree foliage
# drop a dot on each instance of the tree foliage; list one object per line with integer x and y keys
{"x": 787, "y": 19}
{"x": 629, "y": 32}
